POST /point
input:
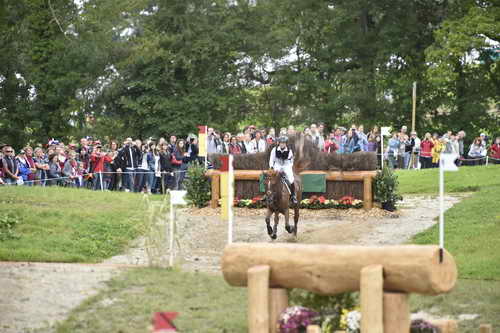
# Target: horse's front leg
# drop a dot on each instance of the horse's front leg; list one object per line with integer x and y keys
{"x": 287, "y": 221}
{"x": 275, "y": 228}
{"x": 268, "y": 222}
{"x": 295, "y": 220}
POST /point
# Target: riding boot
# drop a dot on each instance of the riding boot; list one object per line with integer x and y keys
{"x": 292, "y": 194}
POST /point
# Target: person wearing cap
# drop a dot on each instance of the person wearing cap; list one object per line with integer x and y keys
{"x": 24, "y": 167}
{"x": 281, "y": 160}
{"x": 415, "y": 142}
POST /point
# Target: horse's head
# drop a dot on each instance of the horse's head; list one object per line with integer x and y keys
{"x": 271, "y": 180}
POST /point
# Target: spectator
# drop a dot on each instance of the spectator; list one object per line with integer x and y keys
{"x": 477, "y": 151}
{"x": 31, "y": 163}
{"x": 271, "y": 137}
{"x": 154, "y": 175}
{"x": 98, "y": 158}
{"x": 259, "y": 144}
{"x": 393, "y": 150}
{"x": 426, "y": 151}
{"x": 128, "y": 158}
{"x": 42, "y": 167}
{"x": 214, "y": 143}
{"x": 495, "y": 151}
{"x": 142, "y": 170}
{"x": 249, "y": 148}
{"x": 354, "y": 142}
{"x": 165, "y": 166}
{"x": 70, "y": 170}
{"x": 436, "y": 150}
{"x": 225, "y": 143}
{"x": 415, "y": 142}
{"x": 54, "y": 172}
{"x": 290, "y": 131}
{"x": 192, "y": 149}
{"x": 24, "y": 167}
{"x": 409, "y": 145}
{"x": 330, "y": 145}
{"x": 317, "y": 138}
{"x": 363, "y": 138}
{"x": 241, "y": 142}
{"x": 10, "y": 167}
{"x": 183, "y": 155}
{"x": 234, "y": 147}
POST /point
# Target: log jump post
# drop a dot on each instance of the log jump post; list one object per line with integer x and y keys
{"x": 385, "y": 276}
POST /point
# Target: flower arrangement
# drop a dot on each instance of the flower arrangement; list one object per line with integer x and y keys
{"x": 315, "y": 202}
{"x": 295, "y": 319}
{"x": 351, "y": 320}
{"x": 422, "y": 326}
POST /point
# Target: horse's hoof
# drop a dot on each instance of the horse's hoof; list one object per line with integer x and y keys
{"x": 289, "y": 228}
{"x": 269, "y": 230}
{"x": 274, "y": 236}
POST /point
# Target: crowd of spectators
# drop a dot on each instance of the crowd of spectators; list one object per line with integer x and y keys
{"x": 156, "y": 166}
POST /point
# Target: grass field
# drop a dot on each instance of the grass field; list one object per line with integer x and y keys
{"x": 67, "y": 225}
{"x": 205, "y": 303}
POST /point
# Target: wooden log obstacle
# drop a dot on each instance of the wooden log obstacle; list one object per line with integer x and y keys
{"x": 366, "y": 177}
{"x": 384, "y": 276}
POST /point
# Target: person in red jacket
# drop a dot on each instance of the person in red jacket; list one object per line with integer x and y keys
{"x": 330, "y": 145}
{"x": 98, "y": 158}
{"x": 426, "y": 151}
{"x": 495, "y": 151}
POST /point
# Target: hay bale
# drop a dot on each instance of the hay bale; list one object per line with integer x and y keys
{"x": 360, "y": 161}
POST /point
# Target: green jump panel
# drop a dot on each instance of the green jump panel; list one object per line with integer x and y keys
{"x": 310, "y": 182}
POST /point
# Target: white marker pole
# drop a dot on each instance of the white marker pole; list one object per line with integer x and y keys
{"x": 441, "y": 210}
{"x": 230, "y": 199}
{"x": 382, "y": 151}
{"x": 171, "y": 260}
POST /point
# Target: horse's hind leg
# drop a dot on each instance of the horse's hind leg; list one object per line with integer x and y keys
{"x": 275, "y": 228}
{"x": 268, "y": 222}
{"x": 288, "y": 227}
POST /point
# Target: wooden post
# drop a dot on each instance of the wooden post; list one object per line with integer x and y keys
{"x": 258, "y": 299}
{"x": 396, "y": 313}
{"x": 371, "y": 292}
{"x": 367, "y": 193}
{"x": 445, "y": 325}
{"x": 214, "y": 203}
{"x": 313, "y": 329}
{"x": 484, "y": 328}
{"x": 278, "y": 302}
{"x": 414, "y": 109}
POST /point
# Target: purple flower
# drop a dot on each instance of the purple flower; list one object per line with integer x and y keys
{"x": 296, "y": 319}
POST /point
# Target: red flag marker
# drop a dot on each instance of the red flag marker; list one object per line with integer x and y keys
{"x": 164, "y": 322}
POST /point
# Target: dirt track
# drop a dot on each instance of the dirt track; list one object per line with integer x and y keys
{"x": 36, "y": 295}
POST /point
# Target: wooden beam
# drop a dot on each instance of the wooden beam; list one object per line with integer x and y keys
{"x": 258, "y": 299}
{"x": 330, "y": 175}
{"x": 446, "y": 325}
{"x": 484, "y": 328}
{"x": 278, "y": 302}
{"x": 214, "y": 203}
{"x": 371, "y": 292}
{"x": 330, "y": 269}
{"x": 367, "y": 193}
{"x": 313, "y": 329}
{"x": 396, "y": 313}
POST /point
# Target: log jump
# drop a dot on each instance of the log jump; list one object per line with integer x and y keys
{"x": 384, "y": 275}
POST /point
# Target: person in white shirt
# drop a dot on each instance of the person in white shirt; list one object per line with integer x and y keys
{"x": 281, "y": 160}
{"x": 259, "y": 144}
{"x": 247, "y": 142}
{"x": 317, "y": 138}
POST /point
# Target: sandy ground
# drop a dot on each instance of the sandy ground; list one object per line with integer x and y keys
{"x": 36, "y": 295}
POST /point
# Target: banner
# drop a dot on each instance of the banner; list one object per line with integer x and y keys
{"x": 202, "y": 141}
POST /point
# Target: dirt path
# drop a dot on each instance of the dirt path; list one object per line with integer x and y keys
{"x": 36, "y": 295}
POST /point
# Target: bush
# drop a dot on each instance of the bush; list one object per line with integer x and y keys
{"x": 197, "y": 185}
{"x": 7, "y": 224}
{"x": 386, "y": 189}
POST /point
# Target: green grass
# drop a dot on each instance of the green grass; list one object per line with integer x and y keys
{"x": 467, "y": 179}
{"x": 205, "y": 303}
{"x": 69, "y": 225}
{"x": 468, "y": 297}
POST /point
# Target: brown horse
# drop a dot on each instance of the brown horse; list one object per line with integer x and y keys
{"x": 278, "y": 201}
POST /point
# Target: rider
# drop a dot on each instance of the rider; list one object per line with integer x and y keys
{"x": 281, "y": 159}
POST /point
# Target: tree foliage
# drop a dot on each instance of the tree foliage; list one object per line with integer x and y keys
{"x": 146, "y": 68}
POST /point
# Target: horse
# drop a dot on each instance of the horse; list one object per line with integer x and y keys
{"x": 277, "y": 199}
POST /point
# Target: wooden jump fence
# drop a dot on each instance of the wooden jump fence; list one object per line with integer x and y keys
{"x": 366, "y": 177}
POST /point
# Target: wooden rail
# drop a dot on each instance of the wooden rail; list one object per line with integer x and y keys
{"x": 347, "y": 176}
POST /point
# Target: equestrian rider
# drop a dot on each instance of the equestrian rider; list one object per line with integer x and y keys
{"x": 281, "y": 159}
